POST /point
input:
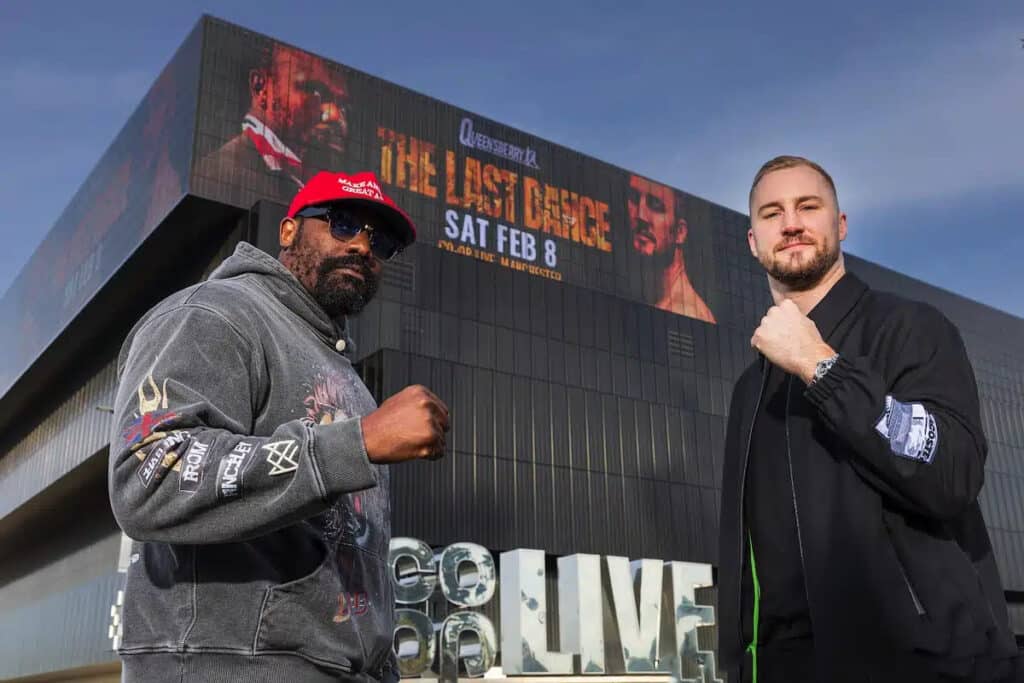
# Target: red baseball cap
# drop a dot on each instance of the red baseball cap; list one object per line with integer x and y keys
{"x": 358, "y": 188}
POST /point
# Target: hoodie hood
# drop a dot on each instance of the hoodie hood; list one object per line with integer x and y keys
{"x": 283, "y": 285}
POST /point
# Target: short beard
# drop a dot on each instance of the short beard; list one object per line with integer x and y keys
{"x": 342, "y": 295}
{"x": 804, "y": 276}
{"x": 658, "y": 260}
{"x": 337, "y": 294}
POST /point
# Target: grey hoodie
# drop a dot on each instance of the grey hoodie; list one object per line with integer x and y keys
{"x": 238, "y": 466}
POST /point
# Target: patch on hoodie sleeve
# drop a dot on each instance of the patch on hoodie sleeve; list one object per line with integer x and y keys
{"x": 160, "y": 457}
{"x": 910, "y": 429}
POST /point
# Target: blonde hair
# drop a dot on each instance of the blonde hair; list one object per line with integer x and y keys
{"x": 787, "y": 161}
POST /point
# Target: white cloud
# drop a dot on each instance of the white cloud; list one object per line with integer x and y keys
{"x": 942, "y": 125}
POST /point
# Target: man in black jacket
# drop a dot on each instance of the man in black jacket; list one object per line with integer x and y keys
{"x": 852, "y": 545}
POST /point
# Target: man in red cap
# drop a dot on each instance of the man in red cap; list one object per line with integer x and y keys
{"x": 248, "y": 461}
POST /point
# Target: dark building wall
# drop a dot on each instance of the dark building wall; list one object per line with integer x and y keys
{"x": 58, "y": 576}
{"x": 558, "y": 441}
{"x": 66, "y": 629}
{"x": 68, "y": 432}
{"x": 582, "y": 422}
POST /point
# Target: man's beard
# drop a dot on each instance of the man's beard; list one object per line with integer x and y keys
{"x": 648, "y": 270}
{"x": 340, "y": 294}
{"x": 318, "y": 154}
{"x": 802, "y": 275}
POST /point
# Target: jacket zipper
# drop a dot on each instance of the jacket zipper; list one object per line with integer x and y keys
{"x": 913, "y": 596}
{"x": 796, "y": 511}
{"x": 743, "y": 485}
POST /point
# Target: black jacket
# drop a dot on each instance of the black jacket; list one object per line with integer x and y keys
{"x": 898, "y": 566}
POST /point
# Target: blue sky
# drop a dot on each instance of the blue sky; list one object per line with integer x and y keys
{"x": 916, "y": 107}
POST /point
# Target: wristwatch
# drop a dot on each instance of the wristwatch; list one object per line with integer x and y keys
{"x": 822, "y": 368}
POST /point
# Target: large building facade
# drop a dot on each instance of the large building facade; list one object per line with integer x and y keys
{"x": 585, "y": 325}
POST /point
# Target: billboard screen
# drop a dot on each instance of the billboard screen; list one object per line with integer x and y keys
{"x": 272, "y": 115}
{"x": 140, "y": 178}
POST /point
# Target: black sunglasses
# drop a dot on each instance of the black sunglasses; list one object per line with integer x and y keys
{"x": 345, "y": 226}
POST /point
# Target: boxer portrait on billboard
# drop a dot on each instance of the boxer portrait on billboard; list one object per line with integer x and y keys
{"x": 657, "y": 233}
{"x": 295, "y": 124}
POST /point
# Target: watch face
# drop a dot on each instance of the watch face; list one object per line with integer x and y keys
{"x": 824, "y": 366}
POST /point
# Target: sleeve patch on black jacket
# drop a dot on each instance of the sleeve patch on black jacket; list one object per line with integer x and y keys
{"x": 910, "y": 429}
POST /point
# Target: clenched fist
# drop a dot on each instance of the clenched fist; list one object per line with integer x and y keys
{"x": 408, "y": 426}
{"x": 791, "y": 341}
